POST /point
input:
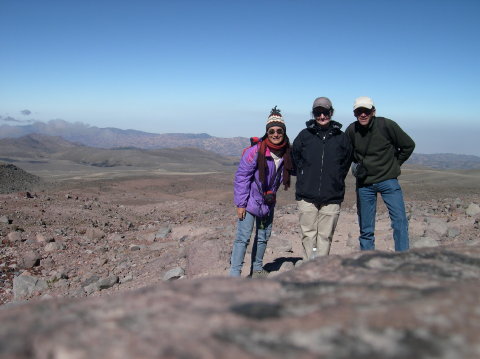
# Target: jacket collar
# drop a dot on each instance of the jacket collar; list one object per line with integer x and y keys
{"x": 333, "y": 127}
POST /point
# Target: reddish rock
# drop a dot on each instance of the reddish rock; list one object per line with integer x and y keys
{"x": 418, "y": 304}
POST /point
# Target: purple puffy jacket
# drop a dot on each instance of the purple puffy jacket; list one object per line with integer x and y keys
{"x": 246, "y": 184}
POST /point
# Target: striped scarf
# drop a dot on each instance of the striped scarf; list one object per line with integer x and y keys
{"x": 282, "y": 150}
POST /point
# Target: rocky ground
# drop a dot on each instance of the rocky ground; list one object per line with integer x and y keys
{"x": 107, "y": 237}
{"x": 95, "y": 238}
{"x": 14, "y": 179}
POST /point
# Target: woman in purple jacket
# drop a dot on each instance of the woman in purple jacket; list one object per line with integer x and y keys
{"x": 261, "y": 170}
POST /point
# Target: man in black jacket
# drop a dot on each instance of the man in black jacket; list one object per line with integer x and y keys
{"x": 322, "y": 156}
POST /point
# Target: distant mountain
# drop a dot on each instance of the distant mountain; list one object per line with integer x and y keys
{"x": 37, "y": 148}
{"x": 445, "y": 161}
{"x": 113, "y": 137}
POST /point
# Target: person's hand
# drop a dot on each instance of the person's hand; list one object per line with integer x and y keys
{"x": 241, "y": 213}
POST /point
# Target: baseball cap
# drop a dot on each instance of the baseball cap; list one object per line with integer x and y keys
{"x": 363, "y": 101}
{"x": 322, "y": 102}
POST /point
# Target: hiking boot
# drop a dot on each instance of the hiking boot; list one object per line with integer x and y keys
{"x": 260, "y": 273}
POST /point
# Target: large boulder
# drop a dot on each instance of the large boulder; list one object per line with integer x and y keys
{"x": 417, "y": 304}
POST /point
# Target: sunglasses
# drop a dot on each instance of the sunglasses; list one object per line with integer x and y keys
{"x": 358, "y": 111}
{"x": 323, "y": 111}
{"x": 278, "y": 132}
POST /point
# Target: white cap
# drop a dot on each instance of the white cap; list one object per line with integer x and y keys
{"x": 363, "y": 101}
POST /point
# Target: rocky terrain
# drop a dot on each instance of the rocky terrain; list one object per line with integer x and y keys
{"x": 15, "y": 179}
{"x": 138, "y": 264}
{"x": 419, "y": 304}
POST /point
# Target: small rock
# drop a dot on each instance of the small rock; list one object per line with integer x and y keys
{"x": 134, "y": 247}
{"x": 94, "y": 233}
{"x": 149, "y": 237}
{"x": 101, "y": 261}
{"x": 422, "y": 242}
{"x": 127, "y": 278}
{"x": 29, "y": 259}
{"x": 61, "y": 283}
{"x": 472, "y": 210}
{"x": 47, "y": 263}
{"x": 90, "y": 280}
{"x": 163, "y": 232}
{"x": 79, "y": 292}
{"x": 54, "y": 246}
{"x": 116, "y": 237}
{"x": 458, "y": 203}
{"x": 476, "y": 224}
{"x": 173, "y": 274}
{"x": 453, "y": 232}
{"x": 59, "y": 274}
{"x": 5, "y": 219}
{"x": 25, "y": 285}
{"x": 108, "y": 282}
{"x": 91, "y": 288}
{"x": 42, "y": 238}
{"x": 14, "y": 237}
{"x": 437, "y": 225}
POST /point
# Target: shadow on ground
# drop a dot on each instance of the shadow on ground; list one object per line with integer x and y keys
{"x": 278, "y": 262}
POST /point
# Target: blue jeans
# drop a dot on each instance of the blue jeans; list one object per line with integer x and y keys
{"x": 367, "y": 208}
{"x": 244, "y": 231}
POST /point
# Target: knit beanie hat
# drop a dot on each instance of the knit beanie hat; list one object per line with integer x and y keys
{"x": 275, "y": 119}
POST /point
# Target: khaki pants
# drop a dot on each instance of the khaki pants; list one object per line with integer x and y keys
{"x": 318, "y": 225}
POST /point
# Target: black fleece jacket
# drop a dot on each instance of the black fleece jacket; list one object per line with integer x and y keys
{"x": 322, "y": 158}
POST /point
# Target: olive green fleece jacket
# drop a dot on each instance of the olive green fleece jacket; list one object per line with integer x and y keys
{"x": 382, "y": 158}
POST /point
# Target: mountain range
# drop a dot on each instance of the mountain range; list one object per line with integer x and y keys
{"x": 53, "y": 151}
{"x": 116, "y": 138}
{"x": 74, "y": 139}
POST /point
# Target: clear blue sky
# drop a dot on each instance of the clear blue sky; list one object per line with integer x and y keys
{"x": 218, "y": 67}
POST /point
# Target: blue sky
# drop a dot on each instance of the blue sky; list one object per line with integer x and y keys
{"x": 219, "y": 66}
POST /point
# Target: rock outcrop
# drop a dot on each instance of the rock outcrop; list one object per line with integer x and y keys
{"x": 418, "y": 304}
{"x": 14, "y": 179}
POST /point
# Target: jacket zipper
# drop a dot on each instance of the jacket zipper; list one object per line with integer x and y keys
{"x": 321, "y": 166}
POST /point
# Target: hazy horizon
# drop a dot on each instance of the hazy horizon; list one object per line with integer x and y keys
{"x": 430, "y": 143}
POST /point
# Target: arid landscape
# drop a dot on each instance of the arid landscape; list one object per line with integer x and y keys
{"x": 122, "y": 124}
{"x": 132, "y": 250}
